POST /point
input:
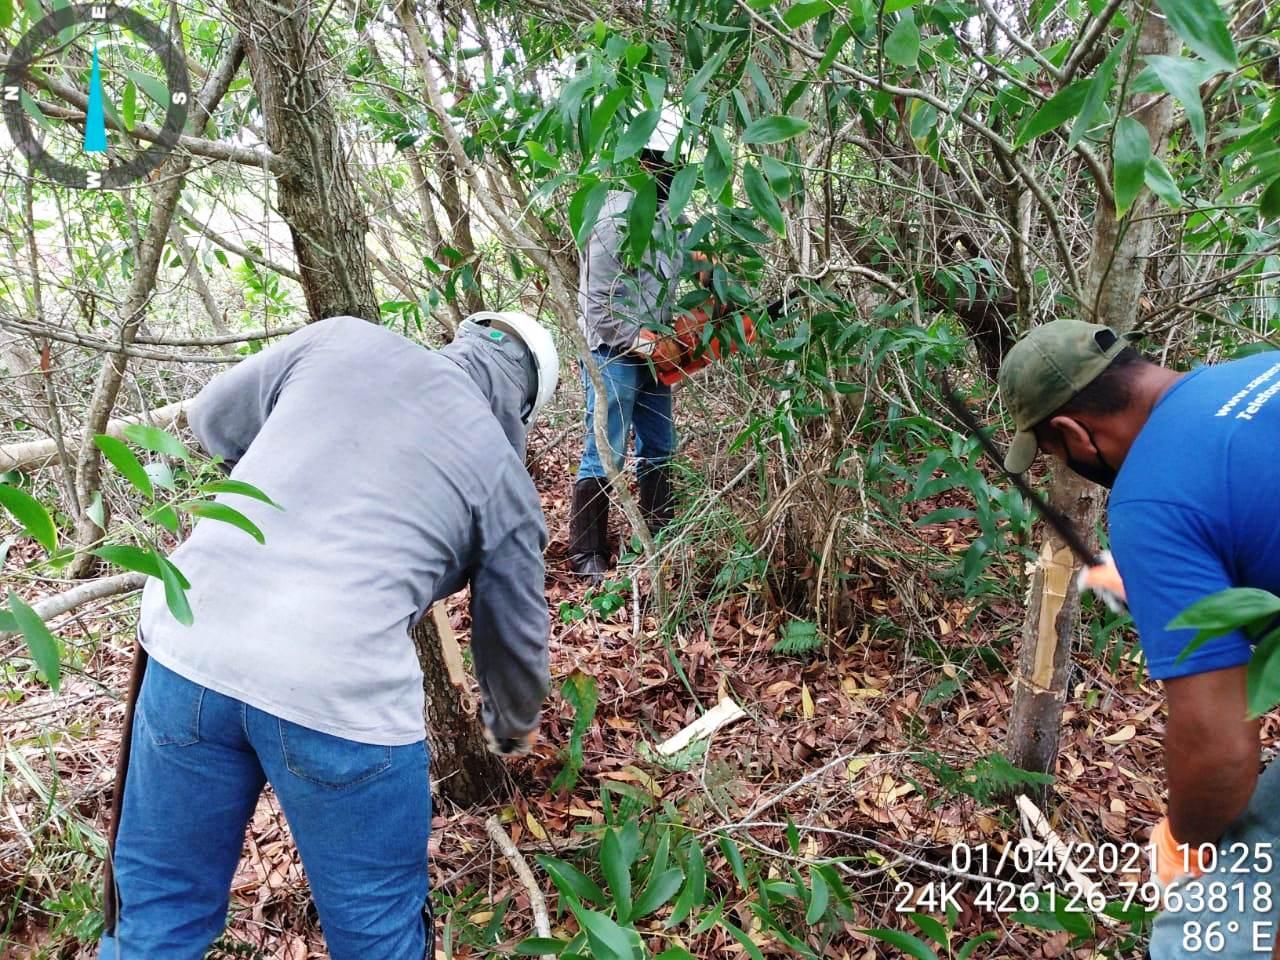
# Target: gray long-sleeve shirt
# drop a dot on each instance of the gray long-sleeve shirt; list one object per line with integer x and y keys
{"x": 399, "y": 486}
{"x": 613, "y": 301}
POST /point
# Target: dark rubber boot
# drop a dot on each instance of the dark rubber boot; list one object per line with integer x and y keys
{"x": 589, "y": 529}
{"x": 657, "y": 504}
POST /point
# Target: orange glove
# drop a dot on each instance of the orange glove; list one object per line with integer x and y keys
{"x": 1174, "y": 861}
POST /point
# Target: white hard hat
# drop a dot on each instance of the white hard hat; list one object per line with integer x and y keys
{"x": 537, "y": 340}
{"x": 667, "y": 132}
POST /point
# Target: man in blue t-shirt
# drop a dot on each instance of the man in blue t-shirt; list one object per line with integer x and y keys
{"x": 1192, "y": 462}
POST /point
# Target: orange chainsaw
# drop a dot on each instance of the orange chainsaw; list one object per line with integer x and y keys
{"x": 1099, "y": 573}
{"x": 694, "y": 349}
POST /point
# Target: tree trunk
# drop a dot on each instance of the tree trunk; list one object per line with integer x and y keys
{"x": 317, "y": 196}
{"x": 464, "y": 770}
{"x": 1044, "y": 656}
{"x": 327, "y": 221}
{"x": 1112, "y": 288}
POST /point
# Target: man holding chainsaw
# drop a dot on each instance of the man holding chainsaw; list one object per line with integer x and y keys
{"x": 399, "y": 478}
{"x": 1192, "y": 463}
{"x": 618, "y": 309}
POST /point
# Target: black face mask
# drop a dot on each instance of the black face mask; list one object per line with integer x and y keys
{"x": 1101, "y": 473}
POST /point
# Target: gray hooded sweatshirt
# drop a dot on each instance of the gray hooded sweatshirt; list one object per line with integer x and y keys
{"x": 398, "y": 471}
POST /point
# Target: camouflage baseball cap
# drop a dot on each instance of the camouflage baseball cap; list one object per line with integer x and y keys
{"x": 1044, "y": 370}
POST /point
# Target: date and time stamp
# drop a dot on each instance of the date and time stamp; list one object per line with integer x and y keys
{"x": 1236, "y": 900}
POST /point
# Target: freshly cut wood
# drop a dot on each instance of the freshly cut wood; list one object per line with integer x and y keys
{"x": 36, "y": 453}
{"x": 449, "y": 644}
{"x": 722, "y": 714}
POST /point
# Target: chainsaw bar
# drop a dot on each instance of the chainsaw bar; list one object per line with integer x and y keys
{"x": 1060, "y": 524}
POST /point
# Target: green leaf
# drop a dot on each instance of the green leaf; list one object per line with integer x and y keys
{"x": 1203, "y": 27}
{"x": 819, "y": 898}
{"x": 1263, "y": 675}
{"x": 156, "y": 89}
{"x": 129, "y": 104}
{"x": 540, "y": 946}
{"x": 96, "y": 511}
{"x": 734, "y": 856}
{"x": 644, "y": 208}
{"x": 584, "y": 210}
{"x": 122, "y": 459}
{"x": 1227, "y": 610}
{"x": 160, "y": 474}
{"x": 945, "y": 515}
{"x": 774, "y": 129}
{"x": 675, "y": 953}
{"x": 1099, "y": 87}
{"x": 930, "y": 927}
{"x": 637, "y": 135}
{"x": 1129, "y": 159}
{"x": 602, "y": 115}
{"x": 7, "y": 623}
{"x": 617, "y": 873}
{"x": 694, "y": 891}
{"x": 165, "y": 516}
{"x": 762, "y": 199}
{"x": 911, "y": 946}
{"x": 240, "y": 488}
{"x": 973, "y": 943}
{"x": 175, "y": 592}
{"x": 801, "y": 13}
{"x": 1054, "y": 112}
{"x": 1160, "y": 182}
{"x": 212, "y": 510}
{"x": 718, "y": 165}
{"x": 902, "y": 45}
{"x": 681, "y": 190}
{"x": 657, "y": 892}
{"x": 745, "y": 941}
{"x": 798, "y": 636}
{"x": 1182, "y": 78}
{"x": 43, "y": 646}
{"x": 608, "y": 940}
{"x": 1269, "y": 202}
{"x": 539, "y": 155}
{"x": 31, "y": 515}
{"x": 572, "y": 882}
{"x": 34, "y": 112}
{"x": 131, "y": 558}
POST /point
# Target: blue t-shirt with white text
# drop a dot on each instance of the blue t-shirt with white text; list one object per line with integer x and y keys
{"x": 1194, "y": 508}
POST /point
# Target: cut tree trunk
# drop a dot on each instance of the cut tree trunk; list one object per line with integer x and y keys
{"x": 1044, "y": 655}
{"x": 464, "y": 771}
{"x": 1112, "y": 289}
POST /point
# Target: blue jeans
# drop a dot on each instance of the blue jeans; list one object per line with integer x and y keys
{"x": 635, "y": 401}
{"x": 1234, "y": 910}
{"x": 360, "y": 815}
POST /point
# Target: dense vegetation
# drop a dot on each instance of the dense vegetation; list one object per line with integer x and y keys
{"x": 920, "y": 181}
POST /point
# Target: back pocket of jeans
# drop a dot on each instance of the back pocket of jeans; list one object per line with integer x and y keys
{"x": 169, "y": 705}
{"x": 330, "y": 761}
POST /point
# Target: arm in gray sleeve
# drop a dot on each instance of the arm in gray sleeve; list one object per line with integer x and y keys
{"x": 509, "y": 627}
{"x": 228, "y": 413}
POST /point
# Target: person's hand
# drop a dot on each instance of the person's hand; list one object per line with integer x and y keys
{"x": 1172, "y": 860}
{"x": 667, "y": 354}
{"x": 1104, "y": 580}
{"x": 510, "y": 746}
